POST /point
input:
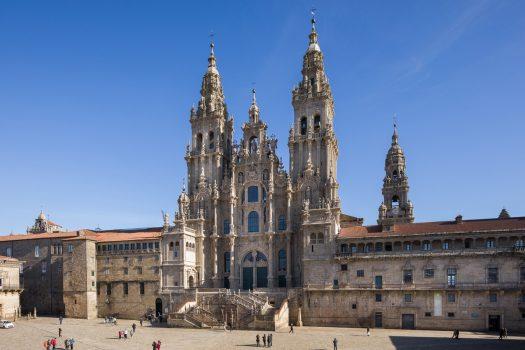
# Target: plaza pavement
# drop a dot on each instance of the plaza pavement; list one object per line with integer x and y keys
{"x": 94, "y": 334}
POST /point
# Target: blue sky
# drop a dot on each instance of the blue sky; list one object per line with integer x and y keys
{"x": 95, "y": 99}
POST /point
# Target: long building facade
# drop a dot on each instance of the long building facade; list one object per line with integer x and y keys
{"x": 259, "y": 246}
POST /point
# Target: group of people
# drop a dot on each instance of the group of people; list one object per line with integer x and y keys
{"x": 110, "y": 320}
{"x": 124, "y": 334}
{"x": 51, "y": 344}
{"x": 267, "y": 340}
{"x": 155, "y": 345}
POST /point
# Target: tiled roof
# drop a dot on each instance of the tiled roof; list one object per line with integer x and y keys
{"x": 119, "y": 236}
{"x": 47, "y": 235}
{"x": 436, "y": 227}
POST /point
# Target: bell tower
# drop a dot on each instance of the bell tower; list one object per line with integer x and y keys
{"x": 396, "y": 207}
{"x": 312, "y": 142}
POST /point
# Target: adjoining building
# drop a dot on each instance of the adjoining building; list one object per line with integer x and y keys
{"x": 10, "y": 288}
{"x": 257, "y": 246}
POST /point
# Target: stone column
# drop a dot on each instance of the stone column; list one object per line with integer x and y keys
{"x": 232, "y": 263}
{"x": 270, "y": 260}
{"x": 299, "y": 318}
{"x": 254, "y": 272}
{"x": 288, "y": 260}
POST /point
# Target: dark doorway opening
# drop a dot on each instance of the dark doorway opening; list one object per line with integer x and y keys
{"x": 408, "y": 321}
{"x": 494, "y": 322}
{"x": 378, "y": 320}
{"x": 158, "y": 307}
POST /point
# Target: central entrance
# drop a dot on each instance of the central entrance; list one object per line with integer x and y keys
{"x": 254, "y": 270}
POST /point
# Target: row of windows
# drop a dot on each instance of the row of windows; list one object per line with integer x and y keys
{"x": 189, "y": 245}
{"x": 125, "y": 288}
{"x": 425, "y": 246}
{"x": 281, "y": 265}
{"x": 408, "y": 276}
{"x": 125, "y": 270}
{"x": 253, "y": 223}
{"x": 127, "y": 246}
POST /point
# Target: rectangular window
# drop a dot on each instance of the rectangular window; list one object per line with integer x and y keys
{"x": 451, "y": 277}
{"x": 493, "y": 297}
{"x": 139, "y": 270}
{"x": 336, "y": 284}
{"x": 226, "y": 227}
{"x": 492, "y": 275}
{"x": 37, "y": 251}
{"x": 132, "y": 247}
{"x": 92, "y": 273}
{"x": 108, "y": 289}
{"x": 490, "y": 243}
{"x": 141, "y": 288}
{"x": 126, "y": 271}
{"x": 446, "y": 246}
{"x": 121, "y": 247}
{"x": 150, "y": 245}
{"x": 157, "y": 245}
{"x": 125, "y": 288}
{"x": 428, "y": 314}
{"x": 378, "y": 281}
{"x": 408, "y": 298}
{"x": 253, "y": 194}
{"x": 9, "y": 252}
{"x": 70, "y": 248}
{"x": 426, "y": 246}
{"x": 126, "y": 259}
{"x": 408, "y": 247}
{"x": 144, "y": 246}
{"x": 126, "y": 246}
{"x": 407, "y": 276}
{"x": 378, "y": 297}
{"x": 44, "y": 266}
{"x": 450, "y": 314}
{"x": 429, "y": 273}
{"x": 106, "y": 271}
{"x": 344, "y": 267}
{"x": 360, "y": 273}
{"x": 451, "y": 297}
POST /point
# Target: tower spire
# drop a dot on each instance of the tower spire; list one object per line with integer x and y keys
{"x": 254, "y": 109}
{"x": 396, "y": 207}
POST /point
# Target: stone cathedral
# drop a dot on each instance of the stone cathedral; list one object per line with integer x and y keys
{"x": 255, "y": 246}
{"x": 242, "y": 215}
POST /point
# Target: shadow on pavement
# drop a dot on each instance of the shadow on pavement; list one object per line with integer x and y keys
{"x": 427, "y": 343}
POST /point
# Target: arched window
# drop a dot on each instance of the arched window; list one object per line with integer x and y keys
{"x": 395, "y": 175}
{"x": 282, "y": 260}
{"x": 320, "y": 238}
{"x": 253, "y": 194}
{"x": 260, "y": 257}
{"x": 211, "y": 139}
{"x": 226, "y": 261}
{"x": 312, "y": 83}
{"x": 395, "y": 201}
{"x": 317, "y": 123}
{"x": 253, "y": 222}
{"x": 240, "y": 178}
{"x": 313, "y": 240}
{"x": 170, "y": 246}
{"x": 226, "y": 227}
{"x": 282, "y": 223}
{"x": 248, "y": 257}
{"x": 253, "y": 145}
{"x": 304, "y": 125}
{"x": 198, "y": 144}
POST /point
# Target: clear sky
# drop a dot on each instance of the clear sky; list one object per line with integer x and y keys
{"x": 95, "y": 99}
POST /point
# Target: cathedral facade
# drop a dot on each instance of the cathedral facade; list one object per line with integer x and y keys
{"x": 242, "y": 213}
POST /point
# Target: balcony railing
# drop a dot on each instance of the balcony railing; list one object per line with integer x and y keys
{"x": 10, "y": 287}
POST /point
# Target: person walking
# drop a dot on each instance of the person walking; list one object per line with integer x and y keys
{"x": 60, "y": 332}
{"x": 264, "y": 340}
{"x": 141, "y": 321}
{"x": 71, "y": 343}
{"x": 270, "y": 339}
{"x": 291, "y": 329}
{"x": 335, "y": 343}
{"x": 367, "y": 331}
{"x": 257, "y": 340}
{"x": 54, "y": 343}
{"x": 60, "y": 319}
{"x": 126, "y": 334}
{"x": 134, "y": 327}
{"x": 154, "y": 345}
{"x": 158, "y": 344}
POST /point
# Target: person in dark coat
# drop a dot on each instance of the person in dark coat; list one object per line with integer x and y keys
{"x": 335, "y": 343}
{"x": 257, "y": 340}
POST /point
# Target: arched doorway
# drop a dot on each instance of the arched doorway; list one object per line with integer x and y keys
{"x": 190, "y": 282}
{"x": 254, "y": 270}
{"x": 158, "y": 307}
